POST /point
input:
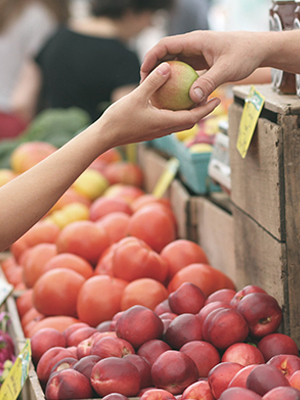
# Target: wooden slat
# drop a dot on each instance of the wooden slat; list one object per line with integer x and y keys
{"x": 292, "y": 217}
{"x": 214, "y": 233}
{"x": 257, "y": 181}
{"x": 260, "y": 260}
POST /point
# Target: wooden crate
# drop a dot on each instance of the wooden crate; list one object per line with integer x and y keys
{"x": 213, "y": 229}
{"x": 265, "y": 196}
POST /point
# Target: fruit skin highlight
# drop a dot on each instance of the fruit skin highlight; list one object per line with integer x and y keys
{"x": 174, "y": 94}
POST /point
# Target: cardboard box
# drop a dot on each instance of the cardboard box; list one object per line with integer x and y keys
{"x": 265, "y": 196}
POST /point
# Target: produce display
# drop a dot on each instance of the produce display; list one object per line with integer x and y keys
{"x": 116, "y": 305}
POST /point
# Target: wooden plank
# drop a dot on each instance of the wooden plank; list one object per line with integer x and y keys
{"x": 214, "y": 230}
{"x": 257, "y": 181}
{"x": 261, "y": 260}
{"x": 275, "y": 102}
{"x": 292, "y": 216}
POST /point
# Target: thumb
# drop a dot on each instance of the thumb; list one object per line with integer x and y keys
{"x": 205, "y": 85}
{"x": 156, "y": 79}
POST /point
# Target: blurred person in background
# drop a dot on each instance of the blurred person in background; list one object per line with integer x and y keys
{"x": 187, "y": 16}
{"x": 25, "y": 25}
{"x": 89, "y": 63}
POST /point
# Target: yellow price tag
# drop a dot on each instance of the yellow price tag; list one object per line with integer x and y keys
{"x": 251, "y": 112}
{"x": 131, "y": 152}
{"x": 17, "y": 376}
{"x": 166, "y": 177}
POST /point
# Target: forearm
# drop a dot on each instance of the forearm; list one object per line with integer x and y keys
{"x": 281, "y": 50}
{"x": 28, "y": 197}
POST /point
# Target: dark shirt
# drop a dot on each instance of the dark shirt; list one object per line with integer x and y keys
{"x": 81, "y": 70}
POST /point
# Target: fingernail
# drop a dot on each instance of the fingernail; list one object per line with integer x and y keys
{"x": 199, "y": 94}
{"x": 163, "y": 69}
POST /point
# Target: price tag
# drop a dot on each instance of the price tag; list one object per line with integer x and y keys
{"x": 166, "y": 177}
{"x": 252, "y": 109}
{"x": 17, "y": 376}
{"x": 5, "y": 290}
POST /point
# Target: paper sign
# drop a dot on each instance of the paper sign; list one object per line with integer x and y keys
{"x": 166, "y": 177}
{"x": 5, "y": 290}
{"x": 251, "y": 112}
{"x": 17, "y": 376}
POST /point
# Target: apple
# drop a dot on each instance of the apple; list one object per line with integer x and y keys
{"x": 152, "y": 349}
{"x": 43, "y": 340}
{"x": 174, "y": 93}
{"x": 188, "y": 298}
{"x": 79, "y": 335}
{"x": 240, "y": 378}
{"x": 237, "y": 393}
{"x": 261, "y": 312}
{"x": 220, "y": 376}
{"x": 294, "y": 379}
{"x": 203, "y": 313}
{"x": 174, "y": 371}
{"x": 138, "y": 324}
{"x": 286, "y": 363}
{"x": 115, "y": 374}
{"x": 143, "y": 367}
{"x": 224, "y": 327}
{"x": 224, "y": 295}
{"x": 204, "y": 355}
{"x": 48, "y": 360}
{"x": 111, "y": 347}
{"x": 67, "y": 384}
{"x": 183, "y": 329}
{"x": 86, "y": 364}
{"x": 264, "y": 378}
{"x": 64, "y": 363}
{"x": 277, "y": 343}
{"x": 157, "y": 394}
{"x": 198, "y": 390}
{"x": 280, "y": 393}
{"x": 244, "y": 354}
{"x": 240, "y": 294}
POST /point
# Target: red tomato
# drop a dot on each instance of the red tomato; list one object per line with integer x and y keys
{"x": 99, "y": 299}
{"x": 154, "y": 224}
{"x": 56, "y": 292}
{"x": 180, "y": 253}
{"x": 134, "y": 259}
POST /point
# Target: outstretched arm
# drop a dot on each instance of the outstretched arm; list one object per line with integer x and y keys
{"x": 227, "y": 56}
{"x": 27, "y": 198}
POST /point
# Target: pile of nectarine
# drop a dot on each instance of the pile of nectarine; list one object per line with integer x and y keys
{"x": 191, "y": 346}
